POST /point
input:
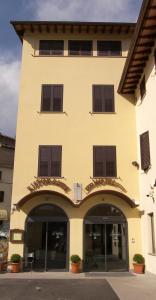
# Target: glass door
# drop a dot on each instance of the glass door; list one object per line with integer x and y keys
{"x": 105, "y": 247}
{"x": 116, "y": 250}
{"x": 46, "y": 245}
{"x": 36, "y": 241}
{"x": 95, "y": 247}
{"x": 56, "y": 248}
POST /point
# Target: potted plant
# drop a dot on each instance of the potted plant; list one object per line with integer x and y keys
{"x": 75, "y": 263}
{"x": 15, "y": 263}
{"x": 139, "y": 263}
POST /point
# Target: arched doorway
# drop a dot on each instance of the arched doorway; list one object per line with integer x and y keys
{"x": 46, "y": 241}
{"x": 105, "y": 239}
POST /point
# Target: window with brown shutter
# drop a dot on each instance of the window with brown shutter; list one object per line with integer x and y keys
{"x": 155, "y": 57}
{"x": 80, "y": 48}
{"x": 51, "y": 47}
{"x": 104, "y": 161}
{"x": 1, "y": 196}
{"x": 109, "y": 48}
{"x": 142, "y": 87}
{"x": 52, "y": 98}
{"x": 50, "y": 158}
{"x": 103, "y": 98}
{"x": 145, "y": 151}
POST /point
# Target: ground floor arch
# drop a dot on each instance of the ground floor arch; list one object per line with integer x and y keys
{"x": 105, "y": 239}
{"x": 46, "y": 238}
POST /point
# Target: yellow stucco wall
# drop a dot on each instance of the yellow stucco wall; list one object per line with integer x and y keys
{"x": 77, "y": 130}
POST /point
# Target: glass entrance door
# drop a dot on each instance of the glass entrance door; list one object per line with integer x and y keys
{"x": 56, "y": 247}
{"x": 105, "y": 247}
{"x": 47, "y": 245}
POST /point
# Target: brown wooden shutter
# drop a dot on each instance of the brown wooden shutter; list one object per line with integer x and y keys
{"x": 104, "y": 161}
{"x": 57, "y": 97}
{"x": 44, "y": 160}
{"x": 98, "y": 161}
{"x": 109, "y": 98}
{"x": 46, "y": 98}
{"x": 97, "y": 98}
{"x": 103, "y": 98}
{"x": 145, "y": 151}
{"x": 110, "y": 153}
{"x": 56, "y": 156}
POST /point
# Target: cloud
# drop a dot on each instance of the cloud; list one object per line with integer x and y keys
{"x": 86, "y": 10}
{"x": 9, "y": 85}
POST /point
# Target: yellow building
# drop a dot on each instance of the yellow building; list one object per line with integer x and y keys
{"x": 75, "y": 188}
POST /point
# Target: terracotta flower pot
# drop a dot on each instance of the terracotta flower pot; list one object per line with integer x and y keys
{"x": 75, "y": 268}
{"x": 139, "y": 268}
{"x": 15, "y": 267}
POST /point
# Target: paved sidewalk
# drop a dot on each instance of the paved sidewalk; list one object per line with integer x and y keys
{"x": 127, "y": 286}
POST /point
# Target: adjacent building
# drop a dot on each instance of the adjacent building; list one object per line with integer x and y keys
{"x": 7, "y": 147}
{"x": 76, "y": 182}
{"x": 139, "y": 81}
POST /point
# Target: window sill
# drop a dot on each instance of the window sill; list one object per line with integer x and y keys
{"x": 103, "y": 113}
{"x": 51, "y": 112}
{"x": 87, "y": 56}
{"x": 106, "y": 177}
{"x": 152, "y": 254}
{"x": 50, "y": 177}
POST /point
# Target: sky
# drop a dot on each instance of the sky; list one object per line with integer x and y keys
{"x": 52, "y": 10}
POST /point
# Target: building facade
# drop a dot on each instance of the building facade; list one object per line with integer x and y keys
{"x": 76, "y": 185}
{"x": 141, "y": 82}
{"x": 7, "y": 147}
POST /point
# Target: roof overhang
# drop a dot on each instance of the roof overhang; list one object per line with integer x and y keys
{"x": 140, "y": 49}
{"x": 72, "y": 27}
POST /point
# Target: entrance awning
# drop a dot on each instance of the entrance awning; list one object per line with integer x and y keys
{"x": 3, "y": 215}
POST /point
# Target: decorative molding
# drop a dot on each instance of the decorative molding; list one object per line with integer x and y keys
{"x": 102, "y": 182}
{"x": 45, "y": 181}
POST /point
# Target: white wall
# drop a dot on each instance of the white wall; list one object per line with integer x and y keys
{"x": 146, "y": 121}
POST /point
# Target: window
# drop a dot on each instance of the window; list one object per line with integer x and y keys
{"x": 51, "y": 47}
{"x": 155, "y": 57}
{"x": 142, "y": 87}
{"x": 152, "y": 233}
{"x": 50, "y": 161}
{"x": 145, "y": 151}
{"x": 82, "y": 48}
{"x": 103, "y": 98}
{"x": 104, "y": 161}
{"x": 1, "y": 196}
{"x": 0, "y": 175}
{"x": 52, "y": 98}
{"x": 109, "y": 48}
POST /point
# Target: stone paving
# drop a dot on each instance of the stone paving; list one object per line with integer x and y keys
{"x": 88, "y": 286}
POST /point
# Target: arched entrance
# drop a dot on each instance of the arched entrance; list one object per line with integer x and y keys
{"x": 105, "y": 239}
{"x": 46, "y": 241}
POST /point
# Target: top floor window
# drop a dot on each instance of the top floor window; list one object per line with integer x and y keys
{"x": 80, "y": 48}
{"x": 109, "y": 48}
{"x": 51, "y": 47}
{"x": 142, "y": 87}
